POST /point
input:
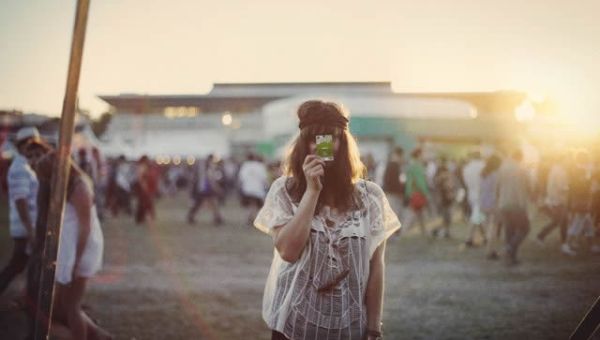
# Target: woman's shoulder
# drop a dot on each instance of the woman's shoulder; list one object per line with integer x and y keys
{"x": 370, "y": 188}
{"x": 280, "y": 184}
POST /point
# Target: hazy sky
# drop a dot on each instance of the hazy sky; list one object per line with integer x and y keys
{"x": 183, "y": 46}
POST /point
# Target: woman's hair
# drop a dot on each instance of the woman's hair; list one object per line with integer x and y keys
{"x": 322, "y": 118}
{"x": 491, "y": 165}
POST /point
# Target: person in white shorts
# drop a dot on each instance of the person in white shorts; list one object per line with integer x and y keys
{"x": 81, "y": 243}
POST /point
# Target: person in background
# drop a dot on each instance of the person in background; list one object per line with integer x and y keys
{"x": 22, "y": 194}
{"x": 462, "y": 194}
{"x": 393, "y": 181}
{"x": 371, "y": 165}
{"x": 253, "y": 179}
{"x": 120, "y": 187}
{"x": 206, "y": 189}
{"x": 446, "y": 193}
{"x": 145, "y": 190}
{"x": 555, "y": 202}
{"x": 472, "y": 177}
{"x": 81, "y": 249}
{"x": 513, "y": 198}
{"x": 580, "y": 203}
{"x": 329, "y": 230}
{"x": 431, "y": 166}
{"x": 231, "y": 169}
{"x": 100, "y": 181}
{"x": 416, "y": 192}
{"x": 487, "y": 203}
{"x": 221, "y": 179}
{"x": 85, "y": 163}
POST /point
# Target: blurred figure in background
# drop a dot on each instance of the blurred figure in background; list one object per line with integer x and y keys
{"x": 393, "y": 181}
{"x": 145, "y": 190}
{"x": 556, "y": 199}
{"x": 206, "y": 188}
{"x": 120, "y": 187}
{"x": 254, "y": 180}
{"x": 81, "y": 248}
{"x": 100, "y": 181}
{"x": 22, "y": 194}
{"x": 462, "y": 195}
{"x": 230, "y": 174}
{"x": 416, "y": 192}
{"x": 85, "y": 163}
{"x": 221, "y": 179}
{"x": 472, "y": 177}
{"x": 487, "y": 204}
{"x": 580, "y": 203}
{"x": 446, "y": 193}
{"x": 513, "y": 198}
{"x": 371, "y": 164}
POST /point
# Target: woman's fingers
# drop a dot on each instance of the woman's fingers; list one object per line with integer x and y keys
{"x": 319, "y": 172}
{"x": 314, "y": 168}
{"x": 313, "y": 163}
{"x": 311, "y": 159}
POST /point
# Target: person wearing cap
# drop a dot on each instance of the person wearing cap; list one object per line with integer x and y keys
{"x": 329, "y": 228}
{"x": 22, "y": 192}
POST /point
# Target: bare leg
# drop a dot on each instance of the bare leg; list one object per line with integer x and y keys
{"x": 421, "y": 218}
{"x": 80, "y": 324}
{"x": 492, "y": 237}
{"x": 214, "y": 206}
{"x": 193, "y": 210}
{"x": 73, "y": 299}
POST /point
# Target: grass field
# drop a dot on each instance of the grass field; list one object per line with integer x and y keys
{"x": 176, "y": 281}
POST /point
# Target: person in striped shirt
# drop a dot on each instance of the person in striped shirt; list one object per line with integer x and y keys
{"x": 22, "y": 194}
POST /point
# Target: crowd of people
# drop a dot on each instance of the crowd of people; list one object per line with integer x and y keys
{"x": 498, "y": 195}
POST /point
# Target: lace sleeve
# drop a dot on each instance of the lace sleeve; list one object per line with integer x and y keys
{"x": 383, "y": 222}
{"x": 277, "y": 209}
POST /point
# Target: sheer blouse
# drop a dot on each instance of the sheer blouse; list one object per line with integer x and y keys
{"x": 322, "y": 294}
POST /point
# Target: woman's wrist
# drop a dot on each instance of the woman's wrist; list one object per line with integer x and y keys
{"x": 374, "y": 334}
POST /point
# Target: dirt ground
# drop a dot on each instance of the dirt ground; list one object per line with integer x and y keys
{"x": 171, "y": 280}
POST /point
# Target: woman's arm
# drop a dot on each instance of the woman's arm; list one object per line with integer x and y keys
{"x": 81, "y": 199}
{"x": 375, "y": 288}
{"x": 291, "y": 238}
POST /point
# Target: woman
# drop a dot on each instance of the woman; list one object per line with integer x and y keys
{"x": 81, "y": 242}
{"x": 329, "y": 229}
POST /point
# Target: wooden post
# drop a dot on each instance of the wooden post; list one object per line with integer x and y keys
{"x": 590, "y": 323}
{"x": 60, "y": 176}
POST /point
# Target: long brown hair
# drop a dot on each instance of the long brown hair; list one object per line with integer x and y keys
{"x": 343, "y": 172}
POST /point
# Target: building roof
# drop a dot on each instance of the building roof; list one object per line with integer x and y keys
{"x": 251, "y": 97}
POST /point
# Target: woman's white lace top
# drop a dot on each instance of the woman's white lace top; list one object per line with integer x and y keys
{"x": 322, "y": 294}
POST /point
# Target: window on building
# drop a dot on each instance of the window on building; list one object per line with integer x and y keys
{"x": 173, "y": 112}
